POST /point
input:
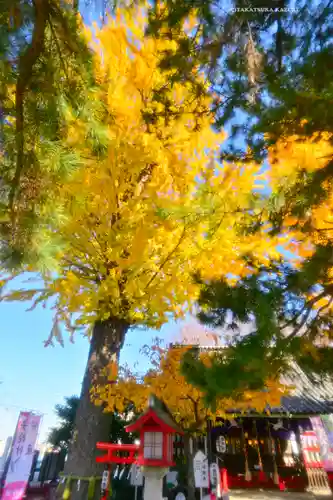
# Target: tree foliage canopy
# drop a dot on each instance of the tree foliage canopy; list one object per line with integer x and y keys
{"x": 270, "y": 67}
{"x": 186, "y": 403}
{"x": 114, "y": 158}
{"x": 150, "y": 203}
{"x": 61, "y": 435}
{"x": 269, "y": 64}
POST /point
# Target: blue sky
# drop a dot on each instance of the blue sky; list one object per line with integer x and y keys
{"x": 37, "y": 378}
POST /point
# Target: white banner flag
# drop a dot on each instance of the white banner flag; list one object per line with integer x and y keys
{"x": 21, "y": 456}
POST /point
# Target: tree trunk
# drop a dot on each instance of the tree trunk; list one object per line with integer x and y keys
{"x": 91, "y": 424}
{"x": 190, "y": 471}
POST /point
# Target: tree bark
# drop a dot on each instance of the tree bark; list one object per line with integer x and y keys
{"x": 190, "y": 471}
{"x": 91, "y": 424}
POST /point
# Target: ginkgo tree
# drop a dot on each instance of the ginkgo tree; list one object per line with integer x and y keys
{"x": 124, "y": 388}
{"x": 149, "y": 205}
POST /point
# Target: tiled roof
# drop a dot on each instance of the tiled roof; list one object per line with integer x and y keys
{"x": 310, "y": 394}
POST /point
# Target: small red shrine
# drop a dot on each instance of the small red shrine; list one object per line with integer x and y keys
{"x": 157, "y": 431}
{"x": 156, "y": 449}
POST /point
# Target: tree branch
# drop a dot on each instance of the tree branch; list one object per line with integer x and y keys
{"x": 167, "y": 258}
{"x": 308, "y": 308}
{"x": 26, "y": 63}
{"x": 68, "y": 39}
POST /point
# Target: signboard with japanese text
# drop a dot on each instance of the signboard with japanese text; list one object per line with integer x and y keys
{"x": 201, "y": 470}
{"x": 21, "y": 457}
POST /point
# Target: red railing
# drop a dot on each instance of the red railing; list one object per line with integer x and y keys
{"x": 112, "y": 450}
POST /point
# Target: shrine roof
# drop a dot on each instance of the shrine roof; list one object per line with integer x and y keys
{"x": 310, "y": 395}
{"x": 161, "y": 412}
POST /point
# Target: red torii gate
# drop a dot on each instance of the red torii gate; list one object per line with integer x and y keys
{"x": 111, "y": 457}
{"x": 111, "y": 449}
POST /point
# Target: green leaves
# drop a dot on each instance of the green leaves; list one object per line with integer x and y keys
{"x": 61, "y": 435}
{"x": 66, "y": 413}
{"x": 58, "y": 72}
{"x": 272, "y": 319}
{"x": 292, "y": 81}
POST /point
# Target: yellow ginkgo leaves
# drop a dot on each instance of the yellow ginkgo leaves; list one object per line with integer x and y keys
{"x": 296, "y": 162}
{"x": 183, "y": 400}
{"x": 151, "y": 203}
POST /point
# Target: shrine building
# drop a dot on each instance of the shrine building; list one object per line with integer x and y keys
{"x": 287, "y": 447}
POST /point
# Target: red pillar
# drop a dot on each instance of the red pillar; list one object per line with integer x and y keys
{"x": 224, "y": 480}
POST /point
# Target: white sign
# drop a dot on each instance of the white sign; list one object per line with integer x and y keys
{"x": 136, "y": 475}
{"x": 201, "y": 470}
{"x": 21, "y": 456}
